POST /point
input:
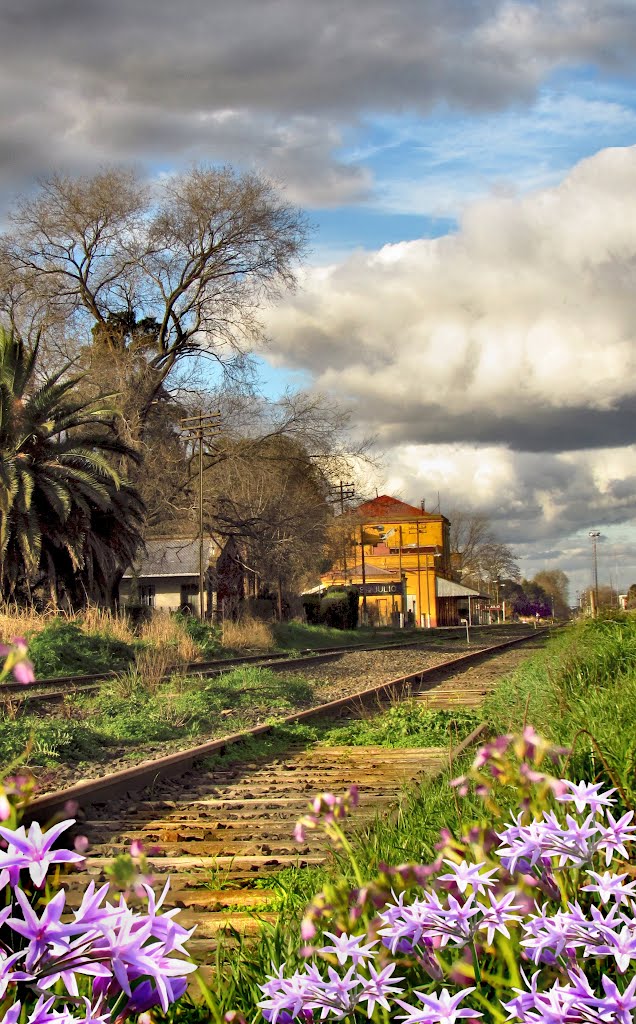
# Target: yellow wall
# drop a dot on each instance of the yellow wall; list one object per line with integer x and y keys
{"x": 431, "y": 535}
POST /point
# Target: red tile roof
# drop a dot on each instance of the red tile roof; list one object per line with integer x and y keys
{"x": 391, "y": 509}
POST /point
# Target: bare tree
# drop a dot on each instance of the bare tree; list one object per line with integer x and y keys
{"x": 276, "y": 506}
{"x": 555, "y": 583}
{"x": 302, "y": 430}
{"x": 147, "y": 277}
{"x": 476, "y": 555}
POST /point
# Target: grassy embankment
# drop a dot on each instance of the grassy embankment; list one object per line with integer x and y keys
{"x": 96, "y": 641}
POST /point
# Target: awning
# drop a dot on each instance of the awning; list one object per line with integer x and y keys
{"x": 448, "y": 588}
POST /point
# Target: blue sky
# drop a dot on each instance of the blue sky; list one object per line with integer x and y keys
{"x": 468, "y": 169}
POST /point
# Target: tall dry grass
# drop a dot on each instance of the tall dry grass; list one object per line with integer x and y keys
{"x": 16, "y": 621}
{"x": 161, "y": 631}
{"x": 105, "y": 622}
{"x": 164, "y": 631}
{"x": 247, "y": 634}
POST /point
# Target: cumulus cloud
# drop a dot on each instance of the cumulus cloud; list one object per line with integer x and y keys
{"x": 518, "y": 329}
{"x": 543, "y": 506}
{"x": 86, "y": 81}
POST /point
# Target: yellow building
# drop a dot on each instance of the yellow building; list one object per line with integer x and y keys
{"x": 393, "y": 555}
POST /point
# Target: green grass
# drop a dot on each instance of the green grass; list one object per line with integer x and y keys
{"x": 408, "y": 724}
{"x": 581, "y": 691}
{"x": 180, "y": 708}
{"x": 297, "y": 636}
{"x": 61, "y": 649}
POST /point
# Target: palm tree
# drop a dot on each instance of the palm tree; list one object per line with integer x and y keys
{"x": 69, "y": 523}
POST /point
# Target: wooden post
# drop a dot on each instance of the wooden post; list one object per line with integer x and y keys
{"x": 419, "y": 574}
{"x": 364, "y": 578}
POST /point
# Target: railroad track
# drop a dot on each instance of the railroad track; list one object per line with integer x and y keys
{"x": 215, "y": 829}
{"x": 56, "y": 688}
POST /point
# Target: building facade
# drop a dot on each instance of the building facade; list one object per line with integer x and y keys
{"x": 166, "y": 575}
{"x": 393, "y": 555}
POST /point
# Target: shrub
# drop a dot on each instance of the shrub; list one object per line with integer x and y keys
{"x": 339, "y": 608}
{"x": 62, "y": 648}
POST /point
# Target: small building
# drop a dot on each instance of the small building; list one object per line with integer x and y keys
{"x": 166, "y": 575}
{"x": 393, "y": 555}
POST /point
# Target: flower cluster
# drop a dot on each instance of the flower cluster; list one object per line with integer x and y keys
{"x": 327, "y": 810}
{"x": 100, "y": 962}
{"x": 547, "y": 893}
{"x": 513, "y": 760}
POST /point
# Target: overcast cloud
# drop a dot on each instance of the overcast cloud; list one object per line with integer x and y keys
{"x": 496, "y": 363}
{"x": 151, "y": 80}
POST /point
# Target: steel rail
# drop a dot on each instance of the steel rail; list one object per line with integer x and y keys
{"x": 146, "y": 773}
{"x": 56, "y": 687}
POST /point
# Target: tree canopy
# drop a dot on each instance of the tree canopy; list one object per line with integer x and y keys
{"x": 476, "y": 555}
{"x": 147, "y": 276}
{"x": 69, "y": 523}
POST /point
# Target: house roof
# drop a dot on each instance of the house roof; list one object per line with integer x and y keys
{"x": 384, "y": 507}
{"x": 171, "y": 557}
{"x": 448, "y": 588}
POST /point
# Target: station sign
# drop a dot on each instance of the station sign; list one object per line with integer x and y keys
{"x": 370, "y": 589}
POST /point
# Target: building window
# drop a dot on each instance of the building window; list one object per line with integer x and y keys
{"x": 147, "y": 595}
{"x": 189, "y": 594}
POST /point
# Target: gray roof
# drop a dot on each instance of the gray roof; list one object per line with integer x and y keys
{"x": 167, "y": 557}
{"x": 447, "y": 588}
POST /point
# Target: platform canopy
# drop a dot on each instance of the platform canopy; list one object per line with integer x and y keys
{"x": 448, "y": 588}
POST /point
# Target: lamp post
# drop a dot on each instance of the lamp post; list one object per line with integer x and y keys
{"x": 594, "y": 536}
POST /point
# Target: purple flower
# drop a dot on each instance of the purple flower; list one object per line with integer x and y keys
{"x": 441, "y": 1008}
{"x": 40, "y": 931}
{"x": 498, "y": 915}
{"x": 611, "y": 886}
{"x": 32, "y": 850}
{"x": 621, "y": 945}
{"x": 586, "y": 794}
{"x": 145, "y": 995}
{"x": 378, "y": 986}
{"x": 464, "y": 874}
{"x": 618, "y": 1006}
{"x": 12, "y": 1015}
{"x": 17, "y": 661}
{"x": 615, "y": 834}
{"x": 348, "y": 947}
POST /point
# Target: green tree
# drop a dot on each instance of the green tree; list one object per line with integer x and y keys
{"x": 69, "y": 523}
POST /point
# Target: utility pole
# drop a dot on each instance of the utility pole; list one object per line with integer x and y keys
{"x": 344, "y": 491}
{"x": 200, "y": 428}
{"x": 364, "y": 577}
{"x": 594, "y": 535}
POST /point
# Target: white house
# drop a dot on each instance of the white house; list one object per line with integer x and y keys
{"x": 166, "y": 575}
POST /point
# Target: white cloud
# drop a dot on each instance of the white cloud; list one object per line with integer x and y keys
{"x": 520, "y": 325}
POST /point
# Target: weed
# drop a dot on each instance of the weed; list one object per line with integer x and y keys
{"x": 152, "y": 665}
{"x": 62, "y": 648}
{"x": 299, "y": 636}
{"x": 247, "y": 634}
{"x": 169, "y": 632}
{"x": 408, "y": 724}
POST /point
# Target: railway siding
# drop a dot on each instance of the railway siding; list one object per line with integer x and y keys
{"x": 216, "y": 830}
